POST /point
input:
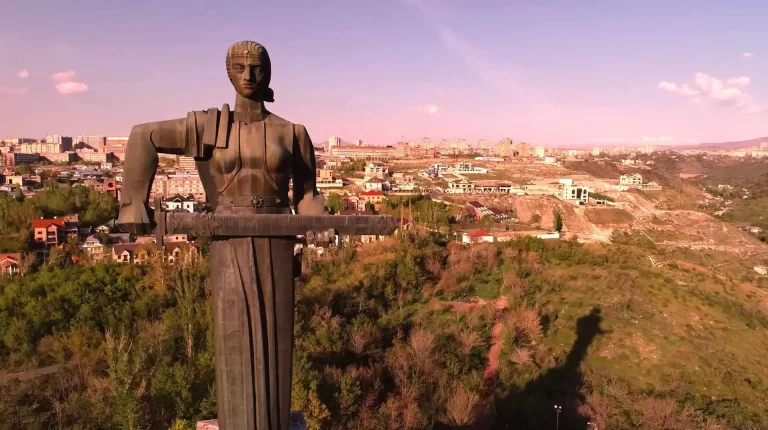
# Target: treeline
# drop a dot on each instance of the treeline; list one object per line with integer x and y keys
{"x": 377, "y": 345}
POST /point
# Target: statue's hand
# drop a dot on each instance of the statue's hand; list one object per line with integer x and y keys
{"x": 133, "y": 218}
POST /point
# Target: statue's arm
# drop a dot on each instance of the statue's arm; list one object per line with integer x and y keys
{"x": 176, "y": 136}
{"x": 306, "y": 199}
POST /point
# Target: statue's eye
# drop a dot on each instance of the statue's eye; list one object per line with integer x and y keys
{"x": 238, "y": 68}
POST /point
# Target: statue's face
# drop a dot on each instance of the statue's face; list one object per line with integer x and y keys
{"x": 248, "y": 76}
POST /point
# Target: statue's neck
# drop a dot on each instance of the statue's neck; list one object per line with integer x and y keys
{"x": 243, "y": 104}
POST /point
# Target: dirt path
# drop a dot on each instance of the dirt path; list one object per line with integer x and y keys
{"x": 489, "y": 375}
{"x": 31, "y": 374}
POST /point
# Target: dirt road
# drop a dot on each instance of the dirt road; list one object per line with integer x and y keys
{"x": 31, "y": 374}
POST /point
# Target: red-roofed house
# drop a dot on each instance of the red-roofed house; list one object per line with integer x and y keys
{"x": 476, "y": 236}
{"x": 9, "y": 263}
{"x": 373, "y": 197}
{"x": 49, "y": 231}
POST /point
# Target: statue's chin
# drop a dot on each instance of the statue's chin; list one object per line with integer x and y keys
{"x": 248, "y": 93}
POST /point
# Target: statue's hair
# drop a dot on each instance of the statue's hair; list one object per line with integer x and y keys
{"x": 249, "y": 48}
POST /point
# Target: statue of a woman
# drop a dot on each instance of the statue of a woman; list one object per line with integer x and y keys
{"x": 245, "y": 159}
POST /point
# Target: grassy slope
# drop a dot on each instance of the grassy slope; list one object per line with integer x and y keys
{"x": 669, "y": 328}
{"x": 608, "y": 216}
{"x": 683, "y": 330}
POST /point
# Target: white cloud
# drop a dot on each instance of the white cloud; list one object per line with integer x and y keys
{"x": 748, "y": 55}
{"x": 661, "y": 139}
{"x": 728, "y": 92}
{"x": 756, "y": 109}
{"x": 665, "y": 140}
{"x": 13, "y": 91}
{"x": 677, "y": 89}
{"x": 741, "y": 81}
{"x": 71, "y": 87}
{"x": 23, "y": 74}
{"x": 63, "y": 76}
{"x": 430, "y": 109}
{"x": 608, "y": 139}
{"x": 65, "y": 85}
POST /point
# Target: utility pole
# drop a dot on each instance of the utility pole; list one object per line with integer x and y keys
{"x": 558, "y": 409}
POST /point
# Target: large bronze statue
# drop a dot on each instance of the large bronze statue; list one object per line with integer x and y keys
{"x": 245, "y": 159}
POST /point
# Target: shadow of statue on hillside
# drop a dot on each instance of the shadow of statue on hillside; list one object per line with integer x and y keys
{"x": 533, "y": 407}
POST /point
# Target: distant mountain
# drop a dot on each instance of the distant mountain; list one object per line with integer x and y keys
{"x": 727, "y": 145}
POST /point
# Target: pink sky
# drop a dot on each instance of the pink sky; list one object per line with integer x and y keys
{"x": 555, "y": 74}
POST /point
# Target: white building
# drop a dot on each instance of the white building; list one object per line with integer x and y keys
{"x": 466, "y": 167}
{"x": 185, "y": 203}
{"x": 576, "y": 193}
{"x": 553, "y": 235}
{"x": 635, "y": 179}
{"x": 376, "y": 184}
{"x": 476, "y": 236}
{"x": 376, "y": 170}
{"x": 93, "y": 247}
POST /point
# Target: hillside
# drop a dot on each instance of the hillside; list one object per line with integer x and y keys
{"x": 625, "y": 336}
{"x": 727, "y": 145}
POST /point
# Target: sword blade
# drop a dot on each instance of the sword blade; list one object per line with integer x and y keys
{"x": 268, "y": 225}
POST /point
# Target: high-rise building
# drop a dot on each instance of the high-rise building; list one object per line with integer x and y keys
{"x": 461, "y": 146}
{"x": 504, "y": 148}
{"x": 524, "y": 150}
{"x": 115, "y": 141}
{"x": 597, "y": 150}
{"x": 332, "y": 142}
{"x": 93, "y": 142}
{"x": 64, "y": 141}
{"x": 170, "y": 185}
{"x": 13, "y": 159}
{"x": 187, "y": 163}
{"x": 39, "y": 147}
{"x": 425, "y": 142}
{"x": 8, "y": 141}
{"x": 647, "y": 149}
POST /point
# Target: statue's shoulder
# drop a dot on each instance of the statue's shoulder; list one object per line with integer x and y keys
{"x": 299, "y": 130}
{"x": 277, "y": 120}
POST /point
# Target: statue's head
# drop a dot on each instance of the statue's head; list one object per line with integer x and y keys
{"x": 250, "y": 70}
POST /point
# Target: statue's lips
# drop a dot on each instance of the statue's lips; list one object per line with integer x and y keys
{"x": 249, "y": 86}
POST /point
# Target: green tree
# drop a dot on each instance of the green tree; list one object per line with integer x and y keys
{"x": 25, "y": 169}
{"x": 557, "y": 222}
{"x": 334, "y": 203}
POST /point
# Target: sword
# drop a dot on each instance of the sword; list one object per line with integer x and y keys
{"x": 268, "y": 225}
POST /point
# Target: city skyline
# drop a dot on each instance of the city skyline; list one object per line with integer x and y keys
{"x": 554, "y": 75}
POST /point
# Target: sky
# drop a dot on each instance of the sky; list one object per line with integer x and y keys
{"x": 548, "y": 72}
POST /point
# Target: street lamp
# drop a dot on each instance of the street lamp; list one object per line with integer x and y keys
{"x": 558, "y": 409}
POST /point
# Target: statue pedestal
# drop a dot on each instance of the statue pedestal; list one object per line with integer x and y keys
{"x": 296, "y": 422}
